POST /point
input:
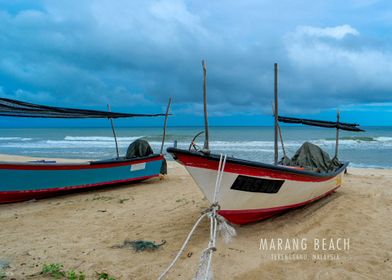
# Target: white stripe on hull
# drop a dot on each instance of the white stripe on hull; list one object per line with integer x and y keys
{"x": 291, "y": 192}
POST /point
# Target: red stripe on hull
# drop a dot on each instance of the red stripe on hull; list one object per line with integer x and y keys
{"x": 70, "y": 166}
{"x": 242, "y": 217}
{"x": 17, "y": 196}
{"x": 200, "y": 162}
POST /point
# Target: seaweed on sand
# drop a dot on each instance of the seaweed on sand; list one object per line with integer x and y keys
{"x": 140, "y": 245}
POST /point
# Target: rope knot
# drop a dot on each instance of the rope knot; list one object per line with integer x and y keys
{"x": 213, "y": 249}
{"x": 214, "y": 206}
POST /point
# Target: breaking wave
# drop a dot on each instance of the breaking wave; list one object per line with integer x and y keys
{"x": 99, "y": 138}
{"x": 262, "y": 146}
{"x": 363, "y": 151}
{"x": 15, "y": 138}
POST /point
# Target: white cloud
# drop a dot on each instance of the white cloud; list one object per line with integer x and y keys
{"x": 337, "y": 32}
{"x": 339, "y": 71}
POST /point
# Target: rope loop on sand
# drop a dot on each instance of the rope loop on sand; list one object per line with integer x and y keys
{"x": 217, "y": 222}
{"x": 183, "y": 246}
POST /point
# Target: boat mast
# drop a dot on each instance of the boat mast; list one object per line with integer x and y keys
{"x": 337, "y": 133}
{"x": 276, "y": 113}
{"x": 206, "y": 143}
{"x": 164, "y": 125}
{"x": 114, "y": 132}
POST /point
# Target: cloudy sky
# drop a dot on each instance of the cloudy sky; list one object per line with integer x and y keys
{"x": 135, "y": 54}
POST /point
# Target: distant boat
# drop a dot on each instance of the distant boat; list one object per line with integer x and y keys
{"x": 252, "y": 191}
{"x": 38, "y": 179}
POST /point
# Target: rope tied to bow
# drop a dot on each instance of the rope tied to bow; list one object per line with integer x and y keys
{"x": 217, "y": 223}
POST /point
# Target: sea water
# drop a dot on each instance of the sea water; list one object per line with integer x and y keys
{"x": 372, "y": 148}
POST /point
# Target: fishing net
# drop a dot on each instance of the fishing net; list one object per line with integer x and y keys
{"x": 140, "y": 245}
{"x": 312, "y": 157}
{"x": 139, "y": 148}
{"x": 339, "y": 125}
{"x": 15, "y": 108}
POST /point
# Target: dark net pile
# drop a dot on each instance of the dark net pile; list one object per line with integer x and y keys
{"x": 15, "y": 108}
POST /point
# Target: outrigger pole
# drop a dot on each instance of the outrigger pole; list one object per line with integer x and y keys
{"x": 114, "y": 133}
{"x": 276, "y": 113}
{"x": 337, "y": 133}
{"x": 280, "y": 133}
{"x": 165, "y": 123}
{"x": 206, "y": 147}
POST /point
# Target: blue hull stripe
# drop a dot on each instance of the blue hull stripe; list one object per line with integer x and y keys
{"x": 22, "y": 180}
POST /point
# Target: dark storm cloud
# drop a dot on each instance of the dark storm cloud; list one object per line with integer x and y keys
{"x": 141, "y": 52}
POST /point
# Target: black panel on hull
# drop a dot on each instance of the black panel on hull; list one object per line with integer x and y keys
{"x": 252, "y": 184}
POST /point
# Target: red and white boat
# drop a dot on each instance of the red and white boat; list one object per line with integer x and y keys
{"x": 252, "y": 191}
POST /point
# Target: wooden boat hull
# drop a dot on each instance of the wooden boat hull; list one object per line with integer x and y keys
{"x": 252, "y": 191}
{"x": 25, "y": 181}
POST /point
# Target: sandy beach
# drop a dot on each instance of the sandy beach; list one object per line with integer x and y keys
{"x": 81, "y": 232}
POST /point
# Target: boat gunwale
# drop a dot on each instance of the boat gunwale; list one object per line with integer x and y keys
{"x": 84, "y": 165}
{"x": 282, "y": 168}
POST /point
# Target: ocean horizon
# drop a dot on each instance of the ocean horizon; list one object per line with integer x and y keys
{"x": 371, "y": 148}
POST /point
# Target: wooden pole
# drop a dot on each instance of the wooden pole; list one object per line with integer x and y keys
{"x": 114, "y": 133}
{"x": 280, "y": 133}
{"x": 276, "y": 112}
{"x": 165, "y": 123}
{"x": 281, "y": 140}
{"x": 206, "y": 143}
{"x": 337, "y": 133}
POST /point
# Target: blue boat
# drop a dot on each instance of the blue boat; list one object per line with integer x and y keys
{"x": 38, "y": 179}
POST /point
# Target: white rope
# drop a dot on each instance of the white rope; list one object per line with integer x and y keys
{"x": 219, "y": 176}
{"x": 183, "y": 246}
{"x": 204, "y": 271}
{"x": 211, "y": 246}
